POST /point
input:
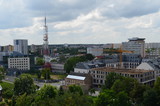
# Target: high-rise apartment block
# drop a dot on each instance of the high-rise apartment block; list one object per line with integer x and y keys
{"x": 21, "y": 46}
{"x": 137, "y": 45}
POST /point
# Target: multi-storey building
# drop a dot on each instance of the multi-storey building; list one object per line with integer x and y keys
{"x": 151, "y": 64}
{"x": 21, "y": 46}
{"x": 143, "y": 76}
{"x": 20, "y": 63}
{"x": 137, "y": 45}
{"x": 152, "y": 50}
{"x": 96, "y": 51}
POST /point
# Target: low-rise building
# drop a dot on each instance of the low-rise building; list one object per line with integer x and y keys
{"x": 84, "y": 80}
{"x": 143, "y": 76}
{"x": 56, "y": 67}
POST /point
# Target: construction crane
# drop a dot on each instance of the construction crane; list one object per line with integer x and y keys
{"x": 119, "y": 51}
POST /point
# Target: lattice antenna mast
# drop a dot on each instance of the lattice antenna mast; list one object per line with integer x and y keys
{"x": 45, "y": 38}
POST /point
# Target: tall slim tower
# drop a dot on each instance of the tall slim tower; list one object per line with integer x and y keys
{"x": 45, "y": 40}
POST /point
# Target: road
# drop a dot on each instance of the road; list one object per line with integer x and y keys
{"x": 11, "y": 79}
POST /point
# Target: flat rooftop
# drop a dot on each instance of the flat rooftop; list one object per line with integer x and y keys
{"x": 125, "y": 71}
{"x": 135, "y": 39}
{"x": 76, "y": 77}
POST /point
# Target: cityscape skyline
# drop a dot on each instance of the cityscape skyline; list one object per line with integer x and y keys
{"x": 78, "y": 22}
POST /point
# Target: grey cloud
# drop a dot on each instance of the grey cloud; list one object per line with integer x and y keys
{"x": 131, "y": 9}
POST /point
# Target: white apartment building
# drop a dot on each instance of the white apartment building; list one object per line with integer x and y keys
{"x": 137, "y": 45}
{"x": 21, "y": 46}
{"x": 20, "y": 63}
{"x": 96, "y": 51}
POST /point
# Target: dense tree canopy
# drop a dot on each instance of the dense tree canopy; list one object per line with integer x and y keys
{"x": 47, "y": 91}
{"x": 110, "y": 79}
{"x": 75, "y": 89}
{"x": 24, "y": 84}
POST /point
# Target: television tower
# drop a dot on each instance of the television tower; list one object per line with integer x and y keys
{"x": 45, "y": 40}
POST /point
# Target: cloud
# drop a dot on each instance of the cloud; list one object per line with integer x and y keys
{"x": 77, "y": 21}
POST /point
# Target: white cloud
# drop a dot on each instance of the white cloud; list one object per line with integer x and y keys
{"x": 76, "y": 21}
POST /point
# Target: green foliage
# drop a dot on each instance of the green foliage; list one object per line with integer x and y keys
{"x": 92, "y": 91}
{"x": 3, "y": 104}
{"x": 25, "y": 100}
{"x": 126, "y": 84}
{"x": 71, "y": 99}
{"x": 110, "y": 79}
{"x": 2, "y": 72}
{"x": 75, "y": 89}
{"x": 54, "y": 60}
{"x": 46, "y": 73}
{"x": 122, "y": 99}
{"x": 89, "y": 57}
{"x": 7, "y": 89}
{"x": 40, "y": 61}
{"x": 38, "y": 75}
{"x": 71, "y": 62}
{"x": 24, "y": 84}
{"x": 47, "y": 91}
{"x": 137, "y": 92}
{"x": 151, "y": 98}
{"x": 60, "y": 91}
{"x": 105, "y": 98}
{"x": 110, "y": 98}
{"x": 157, "y": 85}
{"x": 62, "y": 59}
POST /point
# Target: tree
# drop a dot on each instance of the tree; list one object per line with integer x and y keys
{"x": 2, "y": 73}
{"x": 73, "y": 99}
{"x": 106, "y": 98}
{"x": 24, "y": 84}
{"x": 25, "y": 100}
{"x": 62, "y": 59}
{"x": 137, "y": 93}
{"x": 92, "y": 91}
{"x": 89, "y": 57}
{"x": 126, "y": 84}
{"x": 61, "y": 91}
{"x": 110, "y": 98}
{"x": 71, "y": 62}
{"x": 150, "y": 98}
{"x": 39, "y": 61}
{"x": 157, "y": 85}
{"x": 46, "y": 73}
{"x": 75, "y": 89}
{"x": 47, "y": 91}
{"x": 110, "y": 79}
{"x": 122, "y": 99}
{"x": 38, "y": 75}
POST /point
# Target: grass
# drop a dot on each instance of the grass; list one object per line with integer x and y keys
{"x": 62, "y": 76}
{"x": 6, "y": 85}
{"x": 7, "y": 89}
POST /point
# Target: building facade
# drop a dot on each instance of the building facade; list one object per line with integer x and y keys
{"x": 142, "y": 76}
{"x": 96, "y": 51}
{"x": 21, "y": 46}
{"x": 137, "y": 45}
{"x": 20, "y": 63}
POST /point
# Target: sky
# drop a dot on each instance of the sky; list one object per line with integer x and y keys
{"x": 79, "y": 21}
